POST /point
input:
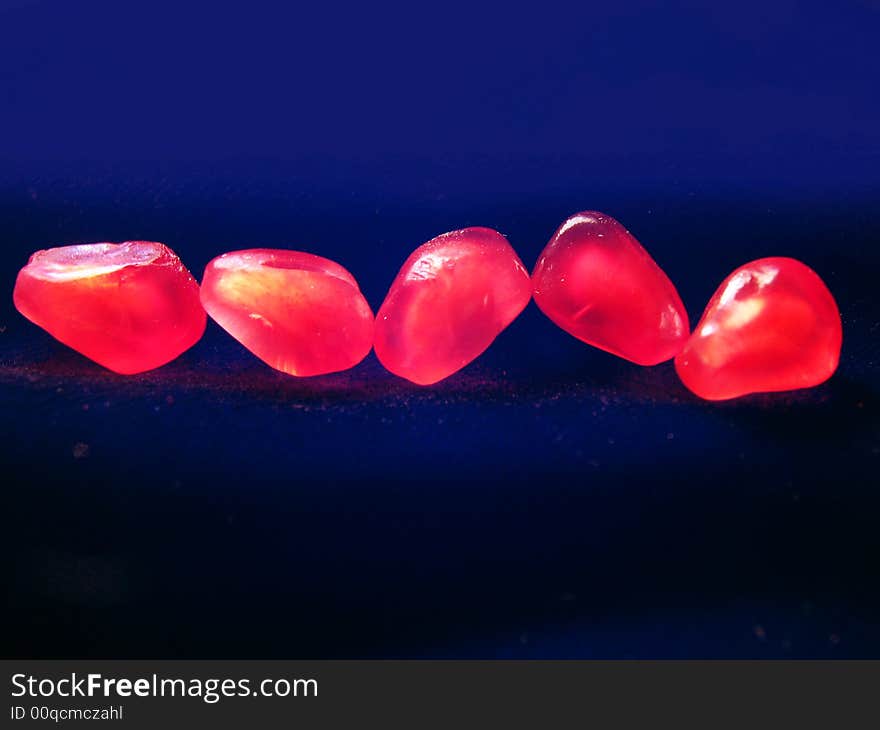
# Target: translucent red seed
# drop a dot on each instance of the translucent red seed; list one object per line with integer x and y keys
{"x": 130, "y": 307}
{"x": 597, "y": 283}
{"x": 772, "y": 325}
{"x": 300, "y": 313}
{"x": 452, "y": 297}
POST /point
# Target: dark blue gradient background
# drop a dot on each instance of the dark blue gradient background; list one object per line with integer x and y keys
{"x": 549, "y": 500}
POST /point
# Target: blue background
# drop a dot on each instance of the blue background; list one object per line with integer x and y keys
{"x": 549, "y": 500}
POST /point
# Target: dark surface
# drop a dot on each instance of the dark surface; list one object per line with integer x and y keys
{"x": 549, "y": 500}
